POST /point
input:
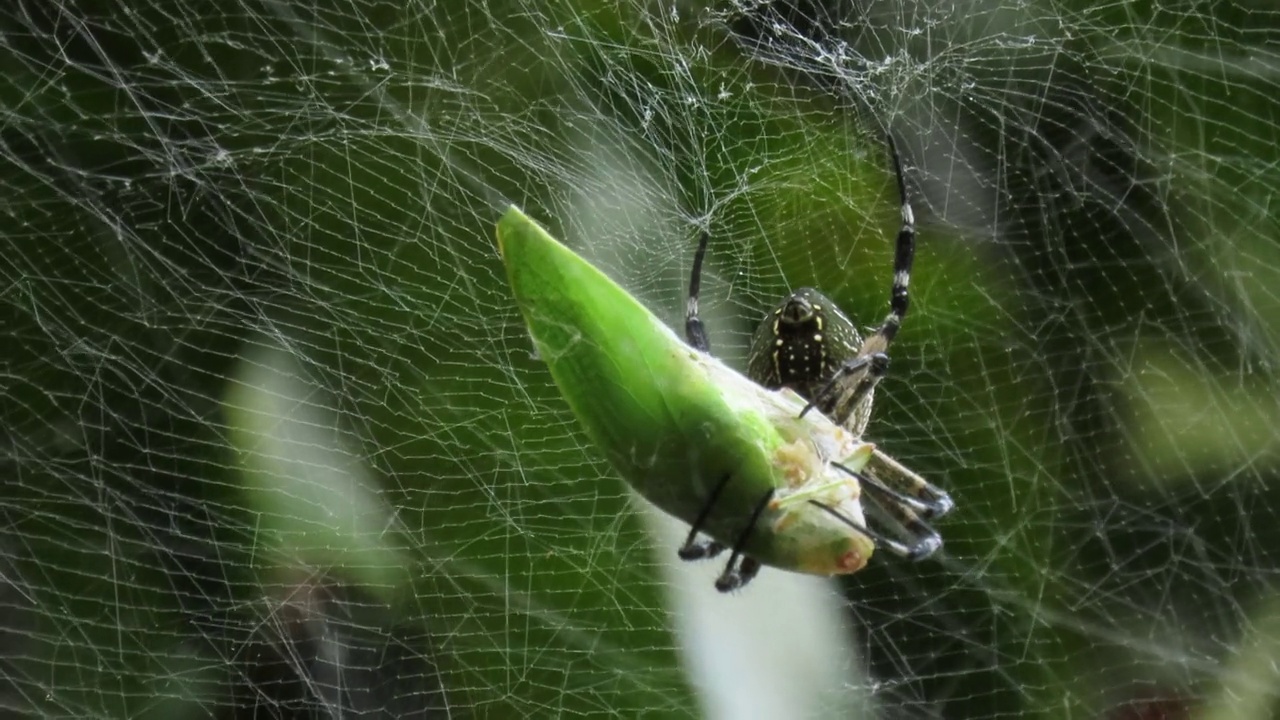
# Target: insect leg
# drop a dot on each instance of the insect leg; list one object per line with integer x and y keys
{"x": 734, "y": 575}
{"x": 694, "y": 332}
{"x": 694, "y": 550}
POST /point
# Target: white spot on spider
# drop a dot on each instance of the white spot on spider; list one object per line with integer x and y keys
{"x": 778, "y": 342}
{"x": 902, "y": 279}
{"x": 908, "y": 217}
{"x": 817, "y": 337}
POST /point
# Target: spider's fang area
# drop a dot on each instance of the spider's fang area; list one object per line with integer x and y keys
{"x": 877, "y": 365}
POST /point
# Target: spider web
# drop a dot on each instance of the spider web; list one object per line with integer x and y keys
{"x": 275, "y": 443}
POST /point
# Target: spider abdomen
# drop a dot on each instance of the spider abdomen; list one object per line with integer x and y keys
{"x": 800, "y": 344}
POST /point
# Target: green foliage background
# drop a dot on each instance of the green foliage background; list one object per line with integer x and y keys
{"x": 216, "y": 215}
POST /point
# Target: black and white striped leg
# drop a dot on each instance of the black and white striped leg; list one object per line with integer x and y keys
{"x": 694, "y": 549}
{"x": 911, "y": 552}
{"x": 872, "y": 361}
{"x": 929, "y": 500}
{"x": 872, "y": 367}
{"x": 696, "y": 335}
{"x": 905, "y": 510}
{"x": 736, "y": 575}
{"x": 904, "y": 254}
{"x": 694, "y": 331}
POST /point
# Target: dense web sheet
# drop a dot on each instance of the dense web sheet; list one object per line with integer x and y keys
{"x": 275, "y": 442}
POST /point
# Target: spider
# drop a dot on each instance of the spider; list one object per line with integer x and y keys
{"x": 807, "y": 344}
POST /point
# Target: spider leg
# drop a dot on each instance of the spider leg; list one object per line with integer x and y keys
{"x": 904, "y": 254}
{"x": 747, "y": 571}
{"x": 904, "y": 509}
{"x": 694, "y": 550}
{"x": 927, "y": 499}
{"x": 925, "y": 541}
{"x": 915, "y": 551}
{"x": 873, "y": 354}
{"x": 694, "y": 332}
{"x": 873, "y": 367}
{"x": 735, "y": 575}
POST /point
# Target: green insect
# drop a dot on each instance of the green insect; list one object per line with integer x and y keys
{"x": 746, "y": 465}
{"x": 808, "y": 345}
{"x": 738, "y": 462}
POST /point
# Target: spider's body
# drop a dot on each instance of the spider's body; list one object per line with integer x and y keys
{"x": 800, "y": 345}
{"x": 808, "y": 345}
